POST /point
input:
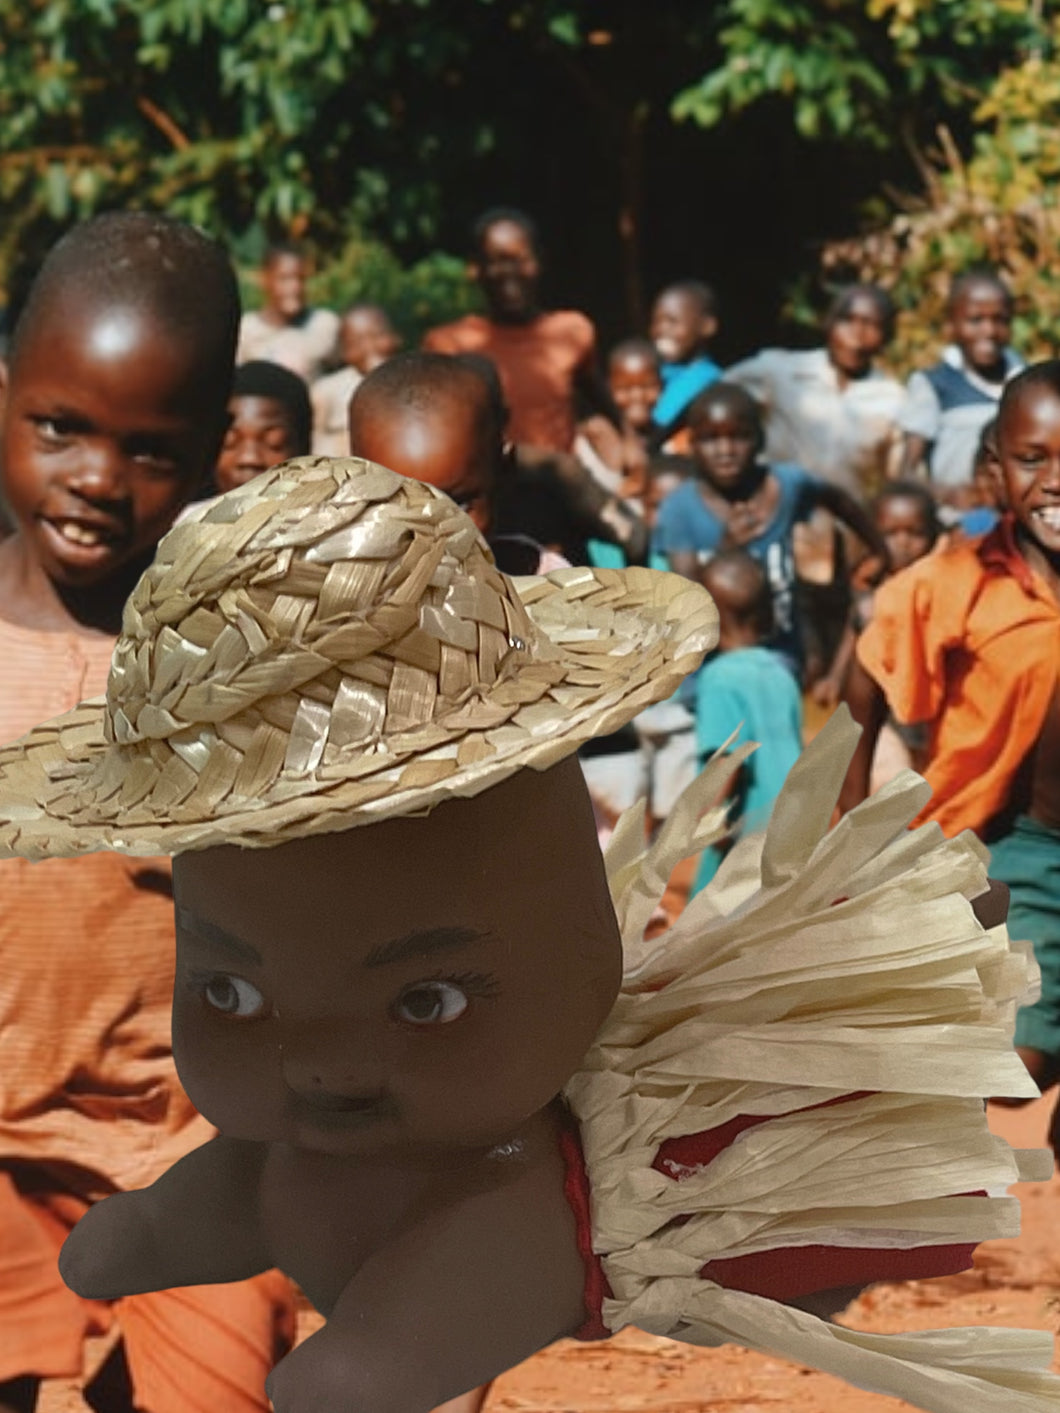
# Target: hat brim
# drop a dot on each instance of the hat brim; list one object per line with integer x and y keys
{"x": 623, "y": 638}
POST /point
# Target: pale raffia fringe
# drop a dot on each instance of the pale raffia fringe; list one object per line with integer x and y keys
{"x": 768, "y": 996}
{"x": 329, "y": 645}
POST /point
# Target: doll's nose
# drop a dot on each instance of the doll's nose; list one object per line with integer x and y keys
{"x": 331, "y": 1062}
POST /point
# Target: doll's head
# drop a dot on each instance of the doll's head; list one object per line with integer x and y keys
{"x": 423, "y": 984}
{"x": 357, "y": 737}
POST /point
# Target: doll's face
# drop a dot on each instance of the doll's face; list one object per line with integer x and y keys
{"x": 403, "y": 989}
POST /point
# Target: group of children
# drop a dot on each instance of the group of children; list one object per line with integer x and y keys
{"x": 795, "y": 484}
{"x": 116, "y": 414}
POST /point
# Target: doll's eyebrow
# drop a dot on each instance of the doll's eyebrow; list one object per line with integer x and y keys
{"x": 426, "y": 943}
{"x": 209, "y": 932}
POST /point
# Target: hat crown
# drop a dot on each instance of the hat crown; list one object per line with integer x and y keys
{"x": 324, "y": 605}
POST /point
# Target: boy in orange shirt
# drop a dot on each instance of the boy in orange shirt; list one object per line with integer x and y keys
{"x": 966, "y": 640}
{"x": 114, "y": 406}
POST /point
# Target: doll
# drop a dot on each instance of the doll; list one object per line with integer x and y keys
{"x": 460, "y": 1099}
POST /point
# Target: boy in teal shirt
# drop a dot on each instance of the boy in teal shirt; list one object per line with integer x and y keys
{"x": 745, "y": 686}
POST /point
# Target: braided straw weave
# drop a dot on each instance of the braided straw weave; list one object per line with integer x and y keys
{"x": 328, "y": 645}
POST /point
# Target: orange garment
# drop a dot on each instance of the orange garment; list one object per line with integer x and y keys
{"x": 968, "y": 639}
{"x": 86, "y": 973}
{"x": 538, "y": 363}
{"x": 199, "y": 1349}
{"x": 89, "y": 1096}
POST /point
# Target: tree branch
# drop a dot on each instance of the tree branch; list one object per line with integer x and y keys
{"x": 164, "y": 123}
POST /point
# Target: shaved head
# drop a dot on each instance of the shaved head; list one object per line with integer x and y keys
{"x": 739, "y": 586}
{"x": 734, "y": 399}
{"x": 126, "y": 269}
{"x": 432, "y": 418}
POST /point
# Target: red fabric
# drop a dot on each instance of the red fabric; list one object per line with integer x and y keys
{"x": 781, "y": 1274}
{"x": 576, "y": 1189}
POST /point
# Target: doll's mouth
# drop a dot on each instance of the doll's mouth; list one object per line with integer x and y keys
{"x": 327, "y": 1108}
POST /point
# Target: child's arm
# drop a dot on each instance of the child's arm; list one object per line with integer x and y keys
{"x": 919, "y": 419}
{"x": 197, "y": 1225}
{"x": 915, "y": 452}
{"x": 845, "y": 508}
{"x": 591, "y": 387}
{"x": 599, "y": 515}
{"x": 827, "y": 691}
{"x": 459, "y": 1298}
{"x": 868, "y": 706}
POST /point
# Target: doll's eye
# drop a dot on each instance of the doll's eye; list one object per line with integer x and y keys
{"x": 430, "y": 1003}
{"x": 233, "y": 996}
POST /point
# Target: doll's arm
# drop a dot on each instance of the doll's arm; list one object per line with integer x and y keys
{"x": 454, "y": 1301}
{"x": 197, "y": 1225}
{"x": 826, "y": 1303}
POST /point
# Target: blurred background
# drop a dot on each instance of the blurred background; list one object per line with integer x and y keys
{"x": 776, "y": 148}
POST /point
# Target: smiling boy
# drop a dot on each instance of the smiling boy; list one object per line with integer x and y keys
{"x": 684, "y": 320}
{"x": 948, "y": 405}
{"x": 286, "y": 329}
{"x": 966, "y": 640}
{"x": 270, "y": 420}
{"x": 113, "y": 411}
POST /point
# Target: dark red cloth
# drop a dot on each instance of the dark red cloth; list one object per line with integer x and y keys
{"x": 781, "y": 1274}
{"x": 576, "y": 1188}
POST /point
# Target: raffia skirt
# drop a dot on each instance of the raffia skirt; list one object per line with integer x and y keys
{"x": 832, "y": 998}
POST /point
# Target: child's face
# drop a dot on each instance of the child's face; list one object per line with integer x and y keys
{"x": 856, "y": 336}
{"x": 259, "y": 436}
{"x": 635, "y": 386}
{"x": 367, "y": 339}
{"x": 106, "y": 432}
{"x": 508, "y": 269}
{"x": 981, "y": 323}
{"x": 410, "y": 987}
{"x": 725, "y": 444}
{"x": 1028, "y": 439}
{"x": 283, "y": 281}
{"x": 902, "y": 523}
{"x": 679, "y": 327}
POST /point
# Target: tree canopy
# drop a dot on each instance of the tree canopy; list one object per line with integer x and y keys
{"x": 377, "y": 120}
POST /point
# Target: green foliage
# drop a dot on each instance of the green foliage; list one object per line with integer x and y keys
{"x": 997, "y": 209}
{"x": 245, "y": 116}
{"x": 861, "y": 70}
{"x": 352, "y": 122}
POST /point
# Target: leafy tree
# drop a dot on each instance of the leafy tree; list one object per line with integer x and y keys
{"x": 868, "y": 71}
{"x": 377, "y": 126}
{"x": 259, "y": 117}
{"x": 985, "y": 145}
{"x": 998, "y": 209}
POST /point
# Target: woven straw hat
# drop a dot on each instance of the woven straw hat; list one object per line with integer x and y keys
{"x": 327, "y": 646}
